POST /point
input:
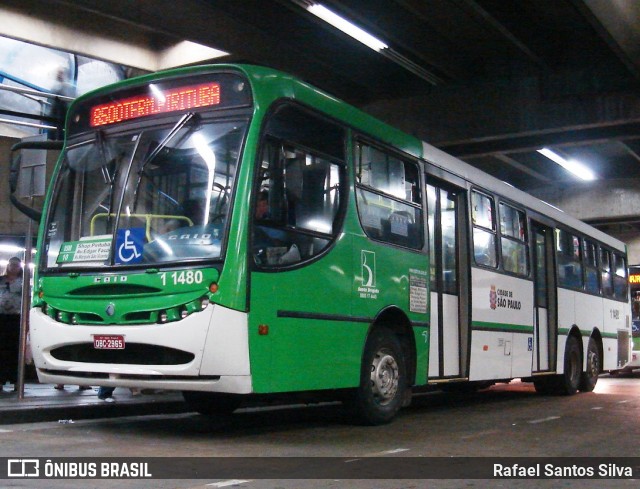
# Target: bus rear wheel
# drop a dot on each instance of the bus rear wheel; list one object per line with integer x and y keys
{"x": 570, "y": 379}
{"x": 589, "y": 377}
{"x": 383, "y": 380}
{"x": 568, "y": 382}
{"x": 546, "y": 385}
{"x": 212, "y": 403}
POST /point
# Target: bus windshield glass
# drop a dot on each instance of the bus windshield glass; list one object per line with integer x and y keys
{"x": 156, "y": 195}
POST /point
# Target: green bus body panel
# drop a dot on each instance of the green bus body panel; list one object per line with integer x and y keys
{"x": 319, "y": 314}
{"x": 304, "y": 350}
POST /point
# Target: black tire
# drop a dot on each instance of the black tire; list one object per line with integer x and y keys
{"x": 383, "y": 380}
{"x": 546, "y": 385}
{"x": 212, "y": 403}
{"x": 589, "y": 377}
{"x": 569, "y": 381}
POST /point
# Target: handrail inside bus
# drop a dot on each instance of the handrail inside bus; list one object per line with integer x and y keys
{"x": 147, "y": 217}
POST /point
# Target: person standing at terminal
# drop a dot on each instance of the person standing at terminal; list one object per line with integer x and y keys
{"x": 10, "y": 303}
{"x": 106, "y": 394}
{"x": 57, "y": 108}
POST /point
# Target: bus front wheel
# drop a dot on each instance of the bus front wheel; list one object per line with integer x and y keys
{"x": 383, "y": 380}
{"x": 211, "y": 403}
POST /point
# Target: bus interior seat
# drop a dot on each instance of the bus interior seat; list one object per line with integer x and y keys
{"x": 400, "y": 229}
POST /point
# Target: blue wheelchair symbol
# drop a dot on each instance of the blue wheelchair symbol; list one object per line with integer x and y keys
{"x": 129, "y": 245}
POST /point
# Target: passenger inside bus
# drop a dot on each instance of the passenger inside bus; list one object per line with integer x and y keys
{"x": 271, "y": 245}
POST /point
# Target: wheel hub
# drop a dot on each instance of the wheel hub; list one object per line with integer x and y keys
{"x": 593, "y": 363}
{"x": 385, "y": 376}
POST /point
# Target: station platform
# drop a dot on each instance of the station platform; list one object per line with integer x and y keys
{"x": 42, "y": 402}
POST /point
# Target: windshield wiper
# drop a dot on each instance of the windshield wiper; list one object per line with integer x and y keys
{"x": 188, "y": 118}
{"x": 108, "y": 176}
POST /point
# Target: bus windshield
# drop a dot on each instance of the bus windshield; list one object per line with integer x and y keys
{"x": 151, "y": 196}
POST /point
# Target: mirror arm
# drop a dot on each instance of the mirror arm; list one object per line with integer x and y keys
{"x": 25, "y": 209}
{"x": 37, "y": 145}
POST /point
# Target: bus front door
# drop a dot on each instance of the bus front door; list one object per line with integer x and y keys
{"x": 448, "y": 357}
{"x": 544, "y": 320}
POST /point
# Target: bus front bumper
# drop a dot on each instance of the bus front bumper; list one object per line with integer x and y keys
{"x": 215, "y": 341}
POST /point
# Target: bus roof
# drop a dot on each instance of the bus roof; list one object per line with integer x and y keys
{"x": 484, "y": 180}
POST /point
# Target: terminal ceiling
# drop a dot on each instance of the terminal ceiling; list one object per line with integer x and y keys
{"x": 490, "y": 81}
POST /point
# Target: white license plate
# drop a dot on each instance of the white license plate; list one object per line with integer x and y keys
{"x": 108, "y": 341}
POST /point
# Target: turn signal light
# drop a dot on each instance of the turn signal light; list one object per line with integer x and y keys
{"x": 213, "y": 288}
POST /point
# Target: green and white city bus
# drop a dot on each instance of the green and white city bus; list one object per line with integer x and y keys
{"x": 230, "y": 231}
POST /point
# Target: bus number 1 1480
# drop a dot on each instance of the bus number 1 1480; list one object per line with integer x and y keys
{"x": 188, "y": 277}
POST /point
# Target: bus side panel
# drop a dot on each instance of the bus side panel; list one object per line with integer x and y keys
{"x": 502, "y": 320}
{"x": 388, "y": 277}
{"x": 301, "y": 336}
{"x": 615, "y": 317}
{"x": 588, "y": 313}
{"x": 434, "y": 338}
{"x": 566, "y": 320}
{"x": 522, "y": 351}
{"x": 490, "y": 355}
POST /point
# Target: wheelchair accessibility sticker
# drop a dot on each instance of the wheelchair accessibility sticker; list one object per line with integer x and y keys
{"x": 129, "y": 244}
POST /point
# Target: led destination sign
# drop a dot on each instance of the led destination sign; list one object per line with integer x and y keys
{"x": 158, "y": 102}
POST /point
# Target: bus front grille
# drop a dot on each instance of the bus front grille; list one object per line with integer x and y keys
{"x": 133, "y": 354}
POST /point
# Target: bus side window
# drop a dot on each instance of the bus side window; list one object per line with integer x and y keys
{"x": 388, "y": 195}
{"x": 569, "y": 261}
{"x": 514, "y": 240}
{"x": 605, "y": 273}
{"x": 589, "y": 256}
{"x": 620, "y": 277}
{"x": 299, "y": 190}
{"x": 484, "y": 230}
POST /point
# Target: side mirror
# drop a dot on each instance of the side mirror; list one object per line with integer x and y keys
{"x": 27, "y": 173}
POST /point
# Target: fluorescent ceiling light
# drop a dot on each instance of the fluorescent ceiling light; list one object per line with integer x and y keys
{"x": 187, "y": 52}
{"x": 573, "y": 166}
{"x": 8, "y": 248}
{"x": 347, "y": 27}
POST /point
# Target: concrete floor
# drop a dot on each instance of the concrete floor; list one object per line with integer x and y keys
{"x": 504, "y": 421}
